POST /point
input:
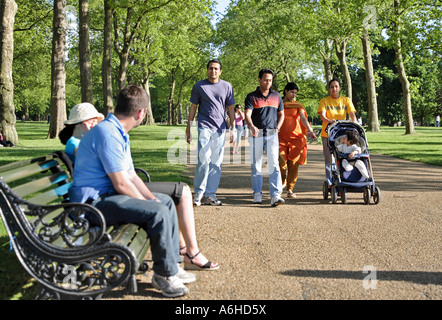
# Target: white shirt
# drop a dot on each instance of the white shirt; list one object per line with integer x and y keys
{"x": 343, "y": 148}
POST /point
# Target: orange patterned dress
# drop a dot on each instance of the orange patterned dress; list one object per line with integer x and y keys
{"x": 292, "y": 135}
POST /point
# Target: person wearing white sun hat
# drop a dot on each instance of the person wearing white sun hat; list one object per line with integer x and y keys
{"x": 82, "y": 118}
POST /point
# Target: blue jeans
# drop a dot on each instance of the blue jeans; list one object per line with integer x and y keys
{"x": 158, "y": 219}
{"x": 270, "y": 143}
{"x": 210, "y": 159}
{"x": 239, "y": 133}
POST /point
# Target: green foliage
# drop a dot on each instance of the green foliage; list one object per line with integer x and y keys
{"x": 32, "y": 51}
{"x": 175, "y": 39}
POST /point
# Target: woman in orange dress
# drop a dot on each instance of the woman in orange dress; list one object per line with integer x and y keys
{"x": 292, "y": 138}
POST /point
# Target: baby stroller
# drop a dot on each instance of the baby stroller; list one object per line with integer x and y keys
{"x": 343, "y": 182}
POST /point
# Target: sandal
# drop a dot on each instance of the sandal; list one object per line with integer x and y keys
{"x": 291, "y": 194}
{"x": 181, "y": 251}
{"x": 192, "y": 266}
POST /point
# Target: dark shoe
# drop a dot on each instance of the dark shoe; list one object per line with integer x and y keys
{"x": 192, "y": 266}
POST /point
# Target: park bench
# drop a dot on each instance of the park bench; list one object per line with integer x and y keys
{"x": 66, "y": 246}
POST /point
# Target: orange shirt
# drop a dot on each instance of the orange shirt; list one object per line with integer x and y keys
{"x": 292, "y": 135}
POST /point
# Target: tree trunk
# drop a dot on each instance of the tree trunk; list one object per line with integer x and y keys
{"x": 58, "y": 71}
{"x": 127, "y": 40}
{"x": 326, "y": 61}
{"x": 179, "y": 104}
{"x": 341, "y": 47}
{"x": 148, "y": 120}
{"x": 85, "y": 53}
{"x": 171, "y": 110}
{"x": 327, "y": 69}
{"x": 8, "y": 9}
{"x": 406, "y": 94}
{"x": 373, "y": 121}
{"x": 106, "y": 66}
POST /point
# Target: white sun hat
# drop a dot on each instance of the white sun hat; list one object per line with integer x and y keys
{"x": 82, "y": 112}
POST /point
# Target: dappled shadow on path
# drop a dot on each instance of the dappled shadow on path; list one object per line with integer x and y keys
{"x": 419, "y": 277}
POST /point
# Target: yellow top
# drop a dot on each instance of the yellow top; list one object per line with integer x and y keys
{"x": 335, "y": 109}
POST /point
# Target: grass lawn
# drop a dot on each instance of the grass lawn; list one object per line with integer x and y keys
{"x": 423, "y": 146}
{"x": 150, "y": 147}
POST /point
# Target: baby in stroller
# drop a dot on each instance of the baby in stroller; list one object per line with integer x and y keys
{"x": 348, "y": 144}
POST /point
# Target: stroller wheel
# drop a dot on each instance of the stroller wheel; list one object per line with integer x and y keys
{"x": 367, "y": 195}
{"x": 377, "y": 195}
{"x": 344, "y": 195}
{"x": 325, "y": 190}
{"x": 334, "y": 195}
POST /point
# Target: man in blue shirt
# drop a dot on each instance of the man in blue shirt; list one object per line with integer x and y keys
{"x": 264, "y": 113}
{"x": 211, "y": 97}
{"x": 104, "y": 176}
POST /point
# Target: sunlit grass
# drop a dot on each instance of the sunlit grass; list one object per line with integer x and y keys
{"x": 423, "y": 146}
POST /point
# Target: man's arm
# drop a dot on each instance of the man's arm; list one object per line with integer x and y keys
{"x": 129, "y": 184}
{"x": 280, "y": 120}
{"x": 254, "y": 130}
{"x": 190, "y": 120}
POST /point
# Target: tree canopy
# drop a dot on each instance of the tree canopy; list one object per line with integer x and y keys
{"x": 164, "y": 46}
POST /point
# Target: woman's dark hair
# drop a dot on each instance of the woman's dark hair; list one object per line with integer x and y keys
{"x": 352, "y": 136}
{"x": 237, "y": 106}
{"x": 66, "y": 133}
{"x": 290, "y": 86}
{"x": 334, "y": 79}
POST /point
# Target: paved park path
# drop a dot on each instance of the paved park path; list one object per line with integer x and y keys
{"x": 310, "y": 248}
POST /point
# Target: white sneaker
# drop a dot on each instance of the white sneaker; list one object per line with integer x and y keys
{"x": 197, "y": 199}
{"x": 184, "y": 276}
{"x": 276, "y": 200}
{"x": 257, "y": 197}
{"x": 170, "y": 287}
{"x": 212, "y": 200}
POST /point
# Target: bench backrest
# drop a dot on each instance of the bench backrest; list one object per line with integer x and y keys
{"x": 55, "y": 239}
{"x": 34, "y": 205}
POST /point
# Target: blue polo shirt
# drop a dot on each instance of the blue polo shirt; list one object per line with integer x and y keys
{"x": 212, "y": 100}
{"x": 103, "y": 149}
{"x": 265, "y": 109}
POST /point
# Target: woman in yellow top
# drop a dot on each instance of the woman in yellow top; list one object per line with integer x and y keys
{"x": 292, "y": 141}
{"x": 330, "y": 109}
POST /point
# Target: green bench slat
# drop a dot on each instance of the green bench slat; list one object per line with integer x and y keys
{"x": 26, "y": 171}
{"x": 124, "y": 233}
{"x": 23, "y": 163}
{"x": 40, "y": 184}
{"x": 132, "y": 236}
{"x": 143, "y": 245}
{"x": 51, "y": 195}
